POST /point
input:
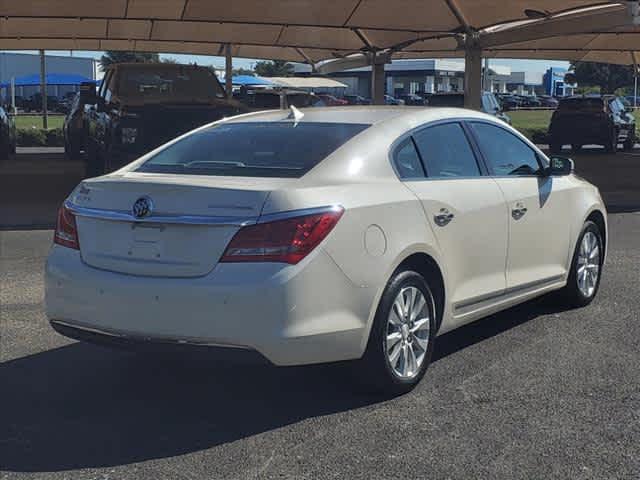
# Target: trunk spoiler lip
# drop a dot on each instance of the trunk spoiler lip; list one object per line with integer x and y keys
{"x": 125, "y": 216}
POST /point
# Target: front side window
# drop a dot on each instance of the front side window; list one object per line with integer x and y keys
{"x": 446, "y": 152}
{"x": 504, "y": 152}
{"x": 253, "y": 149}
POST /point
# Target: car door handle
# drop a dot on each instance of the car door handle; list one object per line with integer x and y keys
{"x": 519, "y": 211}
{"x": 443, "y": 218}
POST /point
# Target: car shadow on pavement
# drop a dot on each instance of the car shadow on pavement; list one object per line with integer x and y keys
{"x": 81, "y": 406}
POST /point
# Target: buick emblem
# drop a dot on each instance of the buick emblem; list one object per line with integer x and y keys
{"x": 143, "y": 207}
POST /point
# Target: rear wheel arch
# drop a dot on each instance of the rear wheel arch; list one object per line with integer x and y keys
{"x": 426, "y": 265}
{"x": 597, "y": 217}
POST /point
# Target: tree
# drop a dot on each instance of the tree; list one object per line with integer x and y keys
{"x": 606, "y": 76}
{"x": 274, "y": 68}
{"x": 242, "y": 71}
{"x": 169, "y": 60}
{"x": 110, "y": 57}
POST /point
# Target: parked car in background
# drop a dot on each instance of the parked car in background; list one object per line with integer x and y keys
{"x": 331, "y": 100}
{"x": 260, "y": 99}
{"x": 357, "y": 100}
{"x": 389, "y": 100}
{"x": 591, "y": 120}
{"x": 548, "y": 101}
{"x": 74, "y": 128}
{"x": 344, "y": 234}
{"x": 7, "y": 134}
{"x": 412, "y": 99}
{"x": 529, "y": 101}
{"x": 509, "y": 101}
{"x": 140, "y": 106}
{"x": 490, "y": 104}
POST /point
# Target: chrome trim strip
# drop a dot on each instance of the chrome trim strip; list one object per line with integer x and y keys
{"x": 272, "y": 217}
{"x": 509, "y": 291}
{"x": 123, "y": 216}
{"x": 144, "y": 338}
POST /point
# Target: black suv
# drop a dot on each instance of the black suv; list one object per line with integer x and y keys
{"x": 588, "y": 120}
{"x": 140, "y": 106}
{"x": 490, "y": 104}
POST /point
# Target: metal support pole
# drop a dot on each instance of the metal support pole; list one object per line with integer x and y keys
{"x": 228, "y": 71}
{"x": 485, "y": 76}
{"x": 473, "y": 76}
{"x": 43, "y": 90}
{"x": 13, "y": 96}
{"x": 635, "y": 79}
{"x": 377, "y": 80}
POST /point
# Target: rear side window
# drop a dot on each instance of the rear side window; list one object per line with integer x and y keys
{"x": 446, "y": 152}
{"x": 505, "y": 153}
{"x": 407, "y": 161}
{"x": 255, "y": 149}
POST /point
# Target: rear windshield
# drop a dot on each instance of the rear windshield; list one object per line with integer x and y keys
{"x": 446, "y": 101}
{"x": 581, "y": 104}
{"x": 260, "y": 149}
{"x": 169, "y": 84}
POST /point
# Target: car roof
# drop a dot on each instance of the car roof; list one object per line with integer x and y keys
{"x": 362, "y": 114}
{"x": 153, "y": 65}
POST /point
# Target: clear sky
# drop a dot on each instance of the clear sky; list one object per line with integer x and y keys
{"x": 516, "y": 65}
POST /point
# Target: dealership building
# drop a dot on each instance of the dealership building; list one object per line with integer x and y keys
{"x": 434, "y": 76}
{"x": 17, "y": 65}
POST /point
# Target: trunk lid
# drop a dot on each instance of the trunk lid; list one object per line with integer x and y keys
{"x": 192, "y": 221}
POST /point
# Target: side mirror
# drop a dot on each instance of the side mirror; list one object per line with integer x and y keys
{"x": 88, "y": 94}
{"x": 561, "y": 166}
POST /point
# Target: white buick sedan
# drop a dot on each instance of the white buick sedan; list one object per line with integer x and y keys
{"x": 325, "y": 235}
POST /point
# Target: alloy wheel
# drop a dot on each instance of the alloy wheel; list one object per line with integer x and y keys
{"x": 588, "y": 267}
{"x": 408, "y": 332}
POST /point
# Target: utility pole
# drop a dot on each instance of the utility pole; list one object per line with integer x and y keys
{"x": 43, "y": 90}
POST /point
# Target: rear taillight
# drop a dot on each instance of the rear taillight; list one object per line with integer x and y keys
{"x": 66, "y": 230}
{"x": 286, "y": 241}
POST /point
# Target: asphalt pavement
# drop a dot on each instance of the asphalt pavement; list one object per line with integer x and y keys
{"x": 533, "y": 393}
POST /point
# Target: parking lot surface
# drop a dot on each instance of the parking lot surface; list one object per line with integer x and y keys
{"x": 533, "y": 392}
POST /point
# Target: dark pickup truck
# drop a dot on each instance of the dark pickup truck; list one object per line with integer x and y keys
{"x": 140, "y": 106}
{"x": 588, "y": 120}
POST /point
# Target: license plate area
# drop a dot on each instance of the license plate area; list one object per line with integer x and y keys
{"x": 147, "y": 241}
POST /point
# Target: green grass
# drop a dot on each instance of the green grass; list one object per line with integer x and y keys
{"x": 531, "y": 119}
{"x": 35, "y": 121}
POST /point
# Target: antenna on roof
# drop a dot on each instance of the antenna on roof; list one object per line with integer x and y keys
{"x": 295, "y": 114}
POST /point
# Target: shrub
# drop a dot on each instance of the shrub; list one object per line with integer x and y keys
{"x": 31, "y": 137}
{"x": 536, "y": 135}
{"x": 38, "y": 137}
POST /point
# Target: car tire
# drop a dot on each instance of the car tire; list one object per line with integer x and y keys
{"x": 95, "y": 165}
{"x": 581, "y": 287}
{"x": 612, "y": 144}
{"x": 71, "y": 151}
{"x": 629, "y": 144}
{"x": 555, "y": 148}
{"x": 400, "y": 347}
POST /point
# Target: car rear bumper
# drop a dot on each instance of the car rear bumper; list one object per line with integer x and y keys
{"x": 293, "y": 315}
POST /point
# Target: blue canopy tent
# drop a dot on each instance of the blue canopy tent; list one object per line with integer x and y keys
{"x": 51, "y": 79}
{"x": 249, "y": 80}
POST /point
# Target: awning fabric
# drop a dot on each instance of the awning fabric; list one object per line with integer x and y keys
{"x": 306, "y": 30}
{"x": 307, "y": 82}
{"x": 249, "y": 80}
{"x": 52, "y": 79}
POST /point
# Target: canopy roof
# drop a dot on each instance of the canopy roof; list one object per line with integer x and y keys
{"x": 313, "y": 30}
{"x": 307, "y": 82}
